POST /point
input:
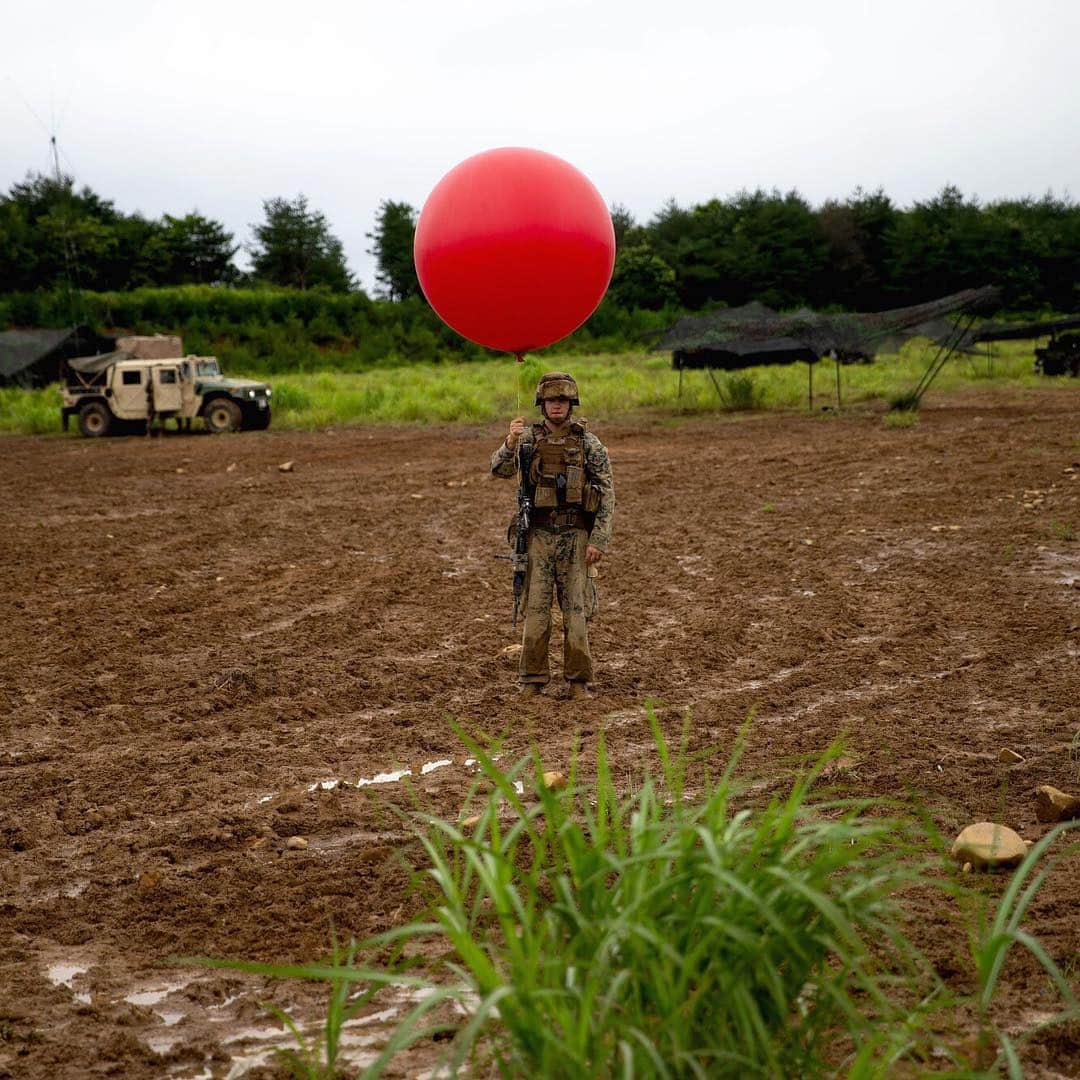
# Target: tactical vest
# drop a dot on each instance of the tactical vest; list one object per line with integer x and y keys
{"x": 558, "y": 468}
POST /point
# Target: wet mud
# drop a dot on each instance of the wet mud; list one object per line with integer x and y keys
{"x": 202, "y": 656}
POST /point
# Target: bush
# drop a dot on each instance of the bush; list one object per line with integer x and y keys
{"x": 740, "y": 392}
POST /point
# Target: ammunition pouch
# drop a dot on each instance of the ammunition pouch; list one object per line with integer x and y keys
{"x": 546, "y": 496}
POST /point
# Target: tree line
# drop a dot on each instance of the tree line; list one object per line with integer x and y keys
{"x": 863, "y": 252}
{"x": 53, "y": 236}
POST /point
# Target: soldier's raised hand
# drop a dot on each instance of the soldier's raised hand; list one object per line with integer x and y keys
{"x": 517, "y": 427}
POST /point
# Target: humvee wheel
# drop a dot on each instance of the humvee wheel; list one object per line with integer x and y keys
{"x": 222, "y": 415}
{"x": 94, "y": 419}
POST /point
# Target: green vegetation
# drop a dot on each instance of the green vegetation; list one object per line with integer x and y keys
{"x": 613, "y": 384}
{"x": 668, "y": 930}
{"x": 1064, "y": 530}
{"x": 905, "y": 418}
{"x": 671, "y": 931}
{"x": 295, "y": 247}
{"x": 29, "y": 412}
{"x": 272, "y": 330}
{"x": 739, "y": 392}
{"x": 995, "y": 937}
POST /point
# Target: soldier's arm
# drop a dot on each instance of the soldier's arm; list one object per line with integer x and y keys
{"x": 504, "y": 460}
{"x": 598, "y": 468}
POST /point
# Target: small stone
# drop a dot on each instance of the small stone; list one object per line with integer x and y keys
{"x": 511, "y": 652}
{"x": 553, "y": 781}
{"x": 149, "y": 880}
{"x": 1009, "y": 757}
{"x": 988, "y": 846}
{"x": 231, "y": 467}
{"x": 296, "y": 843}
{"x": 286, "y": 466}
{"x": 471, "y": 822}
{"x": 181, "y": 471}
{"x": 1054, "y": 805}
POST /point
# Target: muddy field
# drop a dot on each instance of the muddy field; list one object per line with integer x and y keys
{"x": 196, "y": 645}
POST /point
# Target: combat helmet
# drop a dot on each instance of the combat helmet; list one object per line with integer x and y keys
{"x": 556, "y": 384}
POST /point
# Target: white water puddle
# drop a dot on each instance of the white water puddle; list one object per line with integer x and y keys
{"x": 65, "y": 975}
{"x": 278, "y": 1040}
{"x": 384, "y": 777}
{"x": 258, "y": 1034}
{"x": 152, "y": 997}
{"x": 391, "y": 776}
{"x": 379, "y": 1017}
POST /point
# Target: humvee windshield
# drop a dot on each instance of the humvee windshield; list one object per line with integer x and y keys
{"x": 209, "y": 367}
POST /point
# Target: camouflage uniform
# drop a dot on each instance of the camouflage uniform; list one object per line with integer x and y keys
{"x": 558, "y": 538}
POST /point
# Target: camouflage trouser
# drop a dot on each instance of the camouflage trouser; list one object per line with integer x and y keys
{"x": 557, "y": 562}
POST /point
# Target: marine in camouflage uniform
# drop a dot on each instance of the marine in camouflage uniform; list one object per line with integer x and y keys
{"x": 569, "y": 529}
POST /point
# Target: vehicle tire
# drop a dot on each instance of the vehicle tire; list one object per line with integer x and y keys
{"x": 258, "y": 419}
{"x": 222, "y": 414}
{"x": 95, "y": 419}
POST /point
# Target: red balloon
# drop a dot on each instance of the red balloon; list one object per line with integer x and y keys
{"x": 514, "y": 248}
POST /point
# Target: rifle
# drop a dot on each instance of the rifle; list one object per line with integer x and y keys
{"x": 520, "y": 559}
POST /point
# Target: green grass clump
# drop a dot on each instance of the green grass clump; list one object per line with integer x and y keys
{"x": 668, "y": 932}
{"x": 665, "y": 932}
{"x": 1064, "y": 530}
{"x": 904, "y": 419}
{"x": 997, "y": 934}
{"x": 740, "y": 392}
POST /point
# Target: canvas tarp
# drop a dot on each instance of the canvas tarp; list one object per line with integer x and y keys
{"x": 94, "y": 365}
{"x": 32, "y": 357}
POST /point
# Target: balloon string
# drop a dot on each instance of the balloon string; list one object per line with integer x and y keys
{"x": 517, "y": 380}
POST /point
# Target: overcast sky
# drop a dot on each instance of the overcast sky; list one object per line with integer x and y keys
{"x": 169, "y": 107}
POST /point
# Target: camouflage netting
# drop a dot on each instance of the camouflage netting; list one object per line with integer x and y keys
{"x": 1002, "y": 331}
{"x": 754, "y": 328}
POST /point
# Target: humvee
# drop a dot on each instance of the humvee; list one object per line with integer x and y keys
{"x": 120, "y": 393}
